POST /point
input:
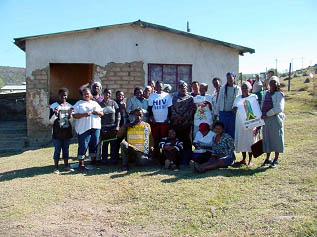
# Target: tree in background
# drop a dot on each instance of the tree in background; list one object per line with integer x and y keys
{"x": 1, "y": 82}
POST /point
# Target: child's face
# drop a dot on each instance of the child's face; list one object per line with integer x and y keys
{"x": 120, "y": 96}
{"x": 171, "y": 133}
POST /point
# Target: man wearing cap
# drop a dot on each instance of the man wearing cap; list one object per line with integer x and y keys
{"x": 227, "y": 95}
{"x": 182, "y": 116}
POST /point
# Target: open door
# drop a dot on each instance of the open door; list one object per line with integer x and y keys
{"x": 69, "y": 75}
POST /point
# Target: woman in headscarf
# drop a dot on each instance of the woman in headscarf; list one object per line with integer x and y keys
{"x": 96, "y": 91}
{"x": 95, "y": 88}
{"x": 227, "y": 95}
{"x": 244, "y": 138}
{"x": 203, "y": 143}
{"x": 273, "y": 114}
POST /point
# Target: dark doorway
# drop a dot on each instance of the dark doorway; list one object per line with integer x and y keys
{"x": 71, "y": 76}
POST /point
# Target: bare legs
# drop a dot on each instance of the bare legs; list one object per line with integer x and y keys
{"x": 212, "y": 163}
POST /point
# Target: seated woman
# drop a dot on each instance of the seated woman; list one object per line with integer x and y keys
{"x": 202, "y": 143}
{"x": 171, "y": 149}
{"x": 222, "y": 151}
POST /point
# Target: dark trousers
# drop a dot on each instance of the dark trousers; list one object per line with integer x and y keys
{"x": 173, "y": 156}
{"x": 184, "y": 134}
{"x": 114, "y": 151}
{"x": 159, "y": 130}
{"x": 130, "y": 155}
{"x": 201, "y": 157}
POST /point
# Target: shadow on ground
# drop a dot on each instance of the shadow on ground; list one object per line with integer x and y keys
{"x": 146, "y": 172}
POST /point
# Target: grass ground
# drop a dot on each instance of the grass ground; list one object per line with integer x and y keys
{"x": 155, "y": 202}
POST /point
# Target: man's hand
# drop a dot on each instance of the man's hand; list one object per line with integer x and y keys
{"x": 234, "y": 110}
{"x": 263, "y": 117}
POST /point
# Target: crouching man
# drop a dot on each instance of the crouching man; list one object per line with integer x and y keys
{"x": 136, "y": 146}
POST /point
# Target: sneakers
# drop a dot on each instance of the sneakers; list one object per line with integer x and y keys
{"x": 266, "y": 162}
{"x": 67, "y": 168}
{"x": 274, "y": 164}
{"x": 56, "y": 171}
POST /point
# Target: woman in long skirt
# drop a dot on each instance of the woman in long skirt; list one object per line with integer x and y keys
{"x": 273, "y": 115}
{"x": 244, "y": 138}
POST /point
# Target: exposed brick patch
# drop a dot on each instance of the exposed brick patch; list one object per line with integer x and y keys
{"x": 123, "y": 76}
{"x": 37, "y": 107}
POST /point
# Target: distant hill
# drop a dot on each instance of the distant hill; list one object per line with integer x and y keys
{"x": 12, "y": 75}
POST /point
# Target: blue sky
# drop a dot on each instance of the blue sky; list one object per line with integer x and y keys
{"x": 276, "y": 29}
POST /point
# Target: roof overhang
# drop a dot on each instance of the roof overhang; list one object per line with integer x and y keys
{"x": 20, "y": 42}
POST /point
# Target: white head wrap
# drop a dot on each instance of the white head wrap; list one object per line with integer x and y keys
{"x": 247, "y": 84}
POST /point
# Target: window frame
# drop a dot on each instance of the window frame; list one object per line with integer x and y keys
{"x": 165, "y": 64}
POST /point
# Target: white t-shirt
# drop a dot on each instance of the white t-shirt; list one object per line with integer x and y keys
{"x": 204, "y": 140}
{"x": 160, "y": 104}
{"x": 60, "y": 108}
{"x": 86, "y": 123}
{"x": 203, "y": 113}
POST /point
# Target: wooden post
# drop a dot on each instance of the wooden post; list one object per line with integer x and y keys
{"x": 289, "y": 76}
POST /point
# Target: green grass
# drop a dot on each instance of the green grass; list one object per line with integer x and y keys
{"x": 155, "y": 202}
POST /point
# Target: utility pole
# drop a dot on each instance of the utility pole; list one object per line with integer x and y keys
{"x": 276, "y": 66}
{"x": 289, "y": 76}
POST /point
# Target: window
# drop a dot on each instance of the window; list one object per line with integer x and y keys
{"x": 170, "y": 73}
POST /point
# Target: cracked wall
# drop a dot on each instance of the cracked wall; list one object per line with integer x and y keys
{"x": 114, "y": 76}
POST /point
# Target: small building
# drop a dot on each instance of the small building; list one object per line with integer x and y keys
{"x": 121, "y": 57}
{"x": 13, "y": 89}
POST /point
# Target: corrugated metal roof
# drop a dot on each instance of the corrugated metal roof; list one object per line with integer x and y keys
{"x": 14, "y": 87}
{"x": 20, "y": 42}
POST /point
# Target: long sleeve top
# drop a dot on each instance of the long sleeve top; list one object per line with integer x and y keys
{"x": 221, "y": 98}
{"x": 178, "y": 145}
{"x": 278, "y": 100}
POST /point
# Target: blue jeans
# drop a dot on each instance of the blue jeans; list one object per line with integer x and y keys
{"x": 229, "y": 120}
{"x": 61, "y": 145}
{"x": 90, "y": 139}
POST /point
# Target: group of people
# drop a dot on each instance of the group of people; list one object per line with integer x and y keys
{"x": 186, "y": 128}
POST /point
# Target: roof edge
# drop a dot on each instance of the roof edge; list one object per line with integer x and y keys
{"x": 20, "y": 42}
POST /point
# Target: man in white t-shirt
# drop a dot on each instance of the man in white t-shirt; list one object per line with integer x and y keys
{"x": 160, "y": 104}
